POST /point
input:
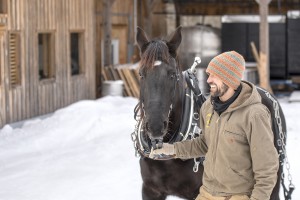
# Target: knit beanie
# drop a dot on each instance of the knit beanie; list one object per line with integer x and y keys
{"x": 229, "y": 67}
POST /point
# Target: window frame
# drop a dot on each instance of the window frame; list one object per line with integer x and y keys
{"x": 50, "y": 66}
{"x": 81, "y": 52}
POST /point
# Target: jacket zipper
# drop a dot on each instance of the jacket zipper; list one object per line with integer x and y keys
{"x": 216, "y": 147}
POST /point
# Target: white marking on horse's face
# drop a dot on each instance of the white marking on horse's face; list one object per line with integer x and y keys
{"x": 157, "y": 62}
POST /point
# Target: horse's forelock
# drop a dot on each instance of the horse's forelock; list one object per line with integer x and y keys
{"x": 156, "y": 50}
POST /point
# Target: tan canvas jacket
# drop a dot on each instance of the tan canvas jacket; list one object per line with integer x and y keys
{"x": 238, "y": 145}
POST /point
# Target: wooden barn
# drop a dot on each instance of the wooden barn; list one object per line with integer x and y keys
{"x": 53, "y": 52}
{"x": 47, "y": 56}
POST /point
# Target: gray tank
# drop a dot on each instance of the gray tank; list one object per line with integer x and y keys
{"x": 203, "y": 41}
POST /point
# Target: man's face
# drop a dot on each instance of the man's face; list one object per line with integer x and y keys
{"x": 217, "y": 87}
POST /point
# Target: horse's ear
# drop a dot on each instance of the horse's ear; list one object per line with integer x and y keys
{"x": 175, "y": 41}
{"x": 141, "y": 38}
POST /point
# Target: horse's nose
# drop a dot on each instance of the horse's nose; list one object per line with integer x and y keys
{"x": 157, "y": 143}
{"x": 156, "y": 129}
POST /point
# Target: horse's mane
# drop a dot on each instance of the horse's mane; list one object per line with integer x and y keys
{"x": 155, "y": 50}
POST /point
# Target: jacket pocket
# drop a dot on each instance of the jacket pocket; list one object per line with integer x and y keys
{"x": 240, "y": 175}
{"x": 232, "y": 135}
{"x": 232, "y": 178}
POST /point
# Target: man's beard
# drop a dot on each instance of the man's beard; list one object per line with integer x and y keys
{"x": 220, "y": 90}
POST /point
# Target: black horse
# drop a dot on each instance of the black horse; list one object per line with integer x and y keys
{"x": 161, "y": 107}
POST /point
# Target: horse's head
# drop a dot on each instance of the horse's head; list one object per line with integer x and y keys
{"x": 159, "y": 84}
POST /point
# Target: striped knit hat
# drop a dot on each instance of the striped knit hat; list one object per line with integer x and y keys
{"x": 229, "y": 67}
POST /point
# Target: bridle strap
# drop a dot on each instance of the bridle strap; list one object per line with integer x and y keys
{"x": 175, "y": 87}
{"x": 189, "y": 78}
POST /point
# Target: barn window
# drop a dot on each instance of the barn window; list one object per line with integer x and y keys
{"x": 14, "y": 59}
{"x": 76, "y": 53}
{"x": 46, "y": 56}
{"x": 3, "y": 6}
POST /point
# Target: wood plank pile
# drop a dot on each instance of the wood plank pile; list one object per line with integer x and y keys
{"x": 129, "y": 76}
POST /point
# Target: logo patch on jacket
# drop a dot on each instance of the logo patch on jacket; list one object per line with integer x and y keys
{"x": 208, "y": 118}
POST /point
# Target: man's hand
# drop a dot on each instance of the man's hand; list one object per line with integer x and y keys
{"x": 166, "y": 152}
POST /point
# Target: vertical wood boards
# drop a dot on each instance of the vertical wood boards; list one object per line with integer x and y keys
{"x": 33, "y": 96}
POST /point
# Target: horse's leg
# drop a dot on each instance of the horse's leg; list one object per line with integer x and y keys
{"x": 149, "y": 194}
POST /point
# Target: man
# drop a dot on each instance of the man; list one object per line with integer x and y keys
{"x": 241, "y": 161}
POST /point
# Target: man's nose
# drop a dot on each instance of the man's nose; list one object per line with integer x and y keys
{"x": 208, "y": 79}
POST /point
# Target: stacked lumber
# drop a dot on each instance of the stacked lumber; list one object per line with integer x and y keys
{"x": 129, "y": 76}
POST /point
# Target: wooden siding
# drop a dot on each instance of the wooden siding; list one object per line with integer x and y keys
{"x": 15, "y": 14}
{"x": 2, "y": 77}
{"x": 119, "y": 7}
{"x": 34, "y": 96}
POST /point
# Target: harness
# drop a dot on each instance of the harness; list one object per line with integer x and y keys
{"x": 279, "y": 137}
{"x": 189, "y": 127}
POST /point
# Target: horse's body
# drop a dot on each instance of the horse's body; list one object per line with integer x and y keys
{"x": 161, "y": 107}
{"x": 169, "y": 177}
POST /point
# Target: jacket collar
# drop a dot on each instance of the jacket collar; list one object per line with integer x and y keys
{"x": 248, "y": 96}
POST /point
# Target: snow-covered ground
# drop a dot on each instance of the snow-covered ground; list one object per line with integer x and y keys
{"x": 84, "y": 152}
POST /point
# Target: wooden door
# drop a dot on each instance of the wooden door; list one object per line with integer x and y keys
{"x": 120, "y": 33}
